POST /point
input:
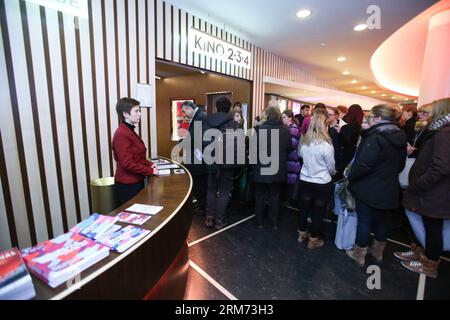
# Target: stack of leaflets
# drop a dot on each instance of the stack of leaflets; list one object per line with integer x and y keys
{"x": 145, "y": 209}
{"x": 57, "y": 260}
{"x": 15, "y": 281}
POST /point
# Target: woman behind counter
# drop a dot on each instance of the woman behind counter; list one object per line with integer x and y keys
{"x": 130, "y": 152}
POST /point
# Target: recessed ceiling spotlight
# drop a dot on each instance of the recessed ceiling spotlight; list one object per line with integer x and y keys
{"x": 360, "y": 27}
{"x": 354, "y": 81}
{"x": 406, "y": 99}
{"x": 383, "y": 95}
{"x": 373, "y": 92}
{"x": 345, "y": 73}
{"x": 341, "y": 59}
{"x": 303, "y": 13}
{"x": 393, "y": 98}
{"x": 323, "y": 44}
{"x": 363, "y": 88}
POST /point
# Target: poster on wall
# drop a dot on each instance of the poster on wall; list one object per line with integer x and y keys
{"x": 179, "y": 122}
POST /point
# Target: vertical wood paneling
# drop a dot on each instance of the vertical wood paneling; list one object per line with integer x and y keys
{"x": 58, "y": 115}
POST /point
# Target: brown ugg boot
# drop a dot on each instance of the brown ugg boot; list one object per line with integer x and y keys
{"x": 302, "y": 236}
{"x": 315, "y": 243}
{"x": 377, "y": 249}
{"x": 424, "y": 265}
{"x": 412, "y": 255}
{"x": 358, "y": 254}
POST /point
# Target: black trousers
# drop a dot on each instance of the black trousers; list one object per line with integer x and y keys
{"x": 434, "y": 243}
{"x": 219, "y": 188}
{"x": 125, "y": 192}
{"x": 200, "y": 189}
{"x": 267, "y": 194}
{"x": 314, "y": 199}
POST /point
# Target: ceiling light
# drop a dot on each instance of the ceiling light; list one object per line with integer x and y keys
{"x": 303, "y": 13}
{"x": 354, "y": 81}
{"x": 406, "y": 99}
{"x": 373, "y": 92}
{"x": 341, "y": 59}
{"x": 323, "y": 44}
{"x": 383, "y": 95}
{"x": 393, "y": 98}
{"x": 360, "y": 27}
{"x": 363, "y": 88}
{"x": 345, "y": 73}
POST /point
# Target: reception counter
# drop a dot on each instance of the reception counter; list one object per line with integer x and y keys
{"x": 154, "y": 268}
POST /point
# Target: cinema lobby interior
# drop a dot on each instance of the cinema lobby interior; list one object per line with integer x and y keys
{"x": 111, "y": 111}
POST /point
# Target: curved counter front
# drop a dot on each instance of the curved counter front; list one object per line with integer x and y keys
{"x": 154, "y": 268}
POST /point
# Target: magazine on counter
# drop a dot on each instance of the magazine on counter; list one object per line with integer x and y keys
{"x": 133, "y": 218}
{"x": 15, "y": 281}
{"x": 57, "y": 260}
{"x": 124, "y": 238}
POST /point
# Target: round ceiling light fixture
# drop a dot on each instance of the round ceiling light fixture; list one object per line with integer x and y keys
{"x": 363, "y": 88}
{"x": 323, "y": 44}
{"x": 345, "y": 73}
{"x": 341, "y": 59}
{"x": 303, "y": 13}
{"x": 373, "y": 92}
{"x": 360, "y": 27}
{"x": 354, "y": 81}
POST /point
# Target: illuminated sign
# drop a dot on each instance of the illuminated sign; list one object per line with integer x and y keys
{"x": 77, "y": 8}
{"x": 212, "y": 47}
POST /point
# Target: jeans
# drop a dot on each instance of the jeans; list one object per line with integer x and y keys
{"x": 199, "y": 189}
{"x": 219, "y": 188}
{"x": 314, "y": 199}
{"x": 367, "y": 218}
{"x": 270, "y": 194}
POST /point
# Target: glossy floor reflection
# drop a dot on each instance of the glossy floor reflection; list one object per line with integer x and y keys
{"x": 263, "y": 264}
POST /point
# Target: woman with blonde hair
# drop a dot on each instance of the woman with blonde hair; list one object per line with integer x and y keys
{"x": 373, "y": 180}
{"x": 428, "y": 190}
{"x": 316, "y": 184}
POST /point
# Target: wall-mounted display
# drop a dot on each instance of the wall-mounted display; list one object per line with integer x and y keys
{"x": 179, "y": 122}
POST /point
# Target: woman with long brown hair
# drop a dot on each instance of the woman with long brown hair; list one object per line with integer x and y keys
{"x": 349, "y": 134}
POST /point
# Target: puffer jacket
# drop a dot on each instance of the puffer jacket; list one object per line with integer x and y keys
{"x": 381, "y": 156}
{"x": 428, "y": 192}
{"x": 293, "y": 163}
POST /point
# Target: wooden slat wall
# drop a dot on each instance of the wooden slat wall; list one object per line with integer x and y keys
{"x": 172, "y": 26}
{"x": 60, "y": 79}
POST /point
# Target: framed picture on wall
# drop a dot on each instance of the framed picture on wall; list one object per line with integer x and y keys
{"x": 178, "y": 122}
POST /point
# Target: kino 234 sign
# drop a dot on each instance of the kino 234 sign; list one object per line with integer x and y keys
{"x": 212, "y": 47}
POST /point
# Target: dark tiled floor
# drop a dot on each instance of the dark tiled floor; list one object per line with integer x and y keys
{"x": 264, "y": 264}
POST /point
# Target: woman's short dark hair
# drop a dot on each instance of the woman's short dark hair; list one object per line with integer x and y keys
{"x": 273, "y": 114}
{"x": 125, "y": 105}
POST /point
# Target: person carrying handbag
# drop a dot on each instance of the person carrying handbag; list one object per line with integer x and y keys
{"x": 373, "y": 180}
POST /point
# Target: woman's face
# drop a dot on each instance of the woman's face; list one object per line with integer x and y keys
{"x": 423, "y": 115}
{"x": 134, "y": 117}
{"x": 286, "y": 120}
{"x": 237, "y": 118}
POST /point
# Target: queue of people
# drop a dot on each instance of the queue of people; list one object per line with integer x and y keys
{"x": 314, "y": 150}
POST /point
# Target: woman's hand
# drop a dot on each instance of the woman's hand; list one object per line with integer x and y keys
{"x": 155, "y": 170}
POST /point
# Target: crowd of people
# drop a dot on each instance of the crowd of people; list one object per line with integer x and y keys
{"x": 322, "y": 145}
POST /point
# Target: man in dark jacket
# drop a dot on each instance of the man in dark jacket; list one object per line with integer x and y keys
{"x": 429, "y": 189}
{"x": 373, "y": 180}
{"x": 220, "y": 175}
{"x": 195, "y": 164}
{"x": 268, "y": 182}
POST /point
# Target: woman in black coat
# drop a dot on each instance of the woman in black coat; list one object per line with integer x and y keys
{"x": 429, "y": 189}
{"x": 269, "y": 177}
{"x": 373, "y": 179}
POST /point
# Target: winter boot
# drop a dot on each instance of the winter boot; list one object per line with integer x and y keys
{"x": 424, "y": 265}
{"x": 377, "y": 249}
{"x": 358, "y": 254}
{"x": 315, "y": 243}
{"x": 411, "y": 255}
{"x": 302, "y": 236}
